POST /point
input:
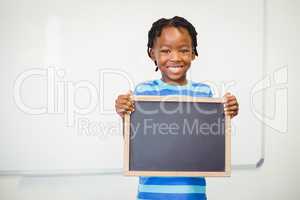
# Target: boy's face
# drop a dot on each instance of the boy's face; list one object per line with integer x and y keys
{"x": 172, "y": 51}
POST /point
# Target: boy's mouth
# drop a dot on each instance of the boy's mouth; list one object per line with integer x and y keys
{"x": 175, "y": 68}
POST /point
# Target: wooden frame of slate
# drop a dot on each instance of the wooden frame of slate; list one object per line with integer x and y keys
{"x": 200, "y": 147}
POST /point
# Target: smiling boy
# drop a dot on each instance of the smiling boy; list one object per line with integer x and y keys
{"x": 172, "y": 45}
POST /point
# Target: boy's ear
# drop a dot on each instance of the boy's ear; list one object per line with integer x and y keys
{"x": 193, "y": 56}
{"x": 152, "y": 54}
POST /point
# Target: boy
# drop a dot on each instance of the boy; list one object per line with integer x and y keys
{"x": 172, "y": 47}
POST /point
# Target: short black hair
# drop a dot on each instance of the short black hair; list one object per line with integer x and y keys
{"x": 177, "y": 22}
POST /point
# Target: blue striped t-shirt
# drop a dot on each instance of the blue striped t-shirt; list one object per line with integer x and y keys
{"x": 172, "y": 188}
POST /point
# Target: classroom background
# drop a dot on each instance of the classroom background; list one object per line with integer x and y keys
{"x": 64, "y": 62}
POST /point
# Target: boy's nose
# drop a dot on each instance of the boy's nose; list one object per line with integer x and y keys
{"x": 175, "y": 56}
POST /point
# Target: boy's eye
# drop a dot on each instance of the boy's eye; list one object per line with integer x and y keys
{"x": 165, "y": 51}
{"x": 184, "y": 50}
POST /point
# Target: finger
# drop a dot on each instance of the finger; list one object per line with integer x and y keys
{"x": 130, "y": 94}
{"x": 121, "y": 107}
{"x": 124, "y": 108}
{"x": 230, "y": 98}
{"x": 124, "y": 96}
{"x": 231, "y": 108}
{"x": 125, "y": 101}
{"x": 130, "y": 103}
{"x": 125, "y": 105}
{"x": 230, "y": 113}
{"x": 122, "y": 101}
{"x": 231, "y": 103}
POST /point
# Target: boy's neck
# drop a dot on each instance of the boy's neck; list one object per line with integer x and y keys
{"x": 177, "y": 82}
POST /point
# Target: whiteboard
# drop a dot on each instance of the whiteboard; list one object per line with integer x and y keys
{"x": 63, "y": 64}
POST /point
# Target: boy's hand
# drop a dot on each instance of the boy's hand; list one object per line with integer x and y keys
{"x": 231, "y": 105}
{"x": 124, "y": 104}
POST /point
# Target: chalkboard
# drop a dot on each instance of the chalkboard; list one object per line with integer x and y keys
{"x": 177, "y": 136}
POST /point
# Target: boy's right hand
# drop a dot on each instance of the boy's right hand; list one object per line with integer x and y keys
{"x": 124, "y": 104}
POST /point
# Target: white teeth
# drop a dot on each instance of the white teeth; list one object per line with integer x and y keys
{"x": 175, "y": 69}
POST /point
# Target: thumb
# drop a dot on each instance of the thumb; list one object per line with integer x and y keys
{"x": 225, "y": 97}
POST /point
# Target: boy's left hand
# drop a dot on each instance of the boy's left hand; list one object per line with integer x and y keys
{"x": 231, "y": 105}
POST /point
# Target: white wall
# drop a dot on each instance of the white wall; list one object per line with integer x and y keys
{"x": 62, "y": 125}
{"x": 277, "y": 179}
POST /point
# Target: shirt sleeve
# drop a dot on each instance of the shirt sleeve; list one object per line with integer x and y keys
{"x": 210, "y": 94}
